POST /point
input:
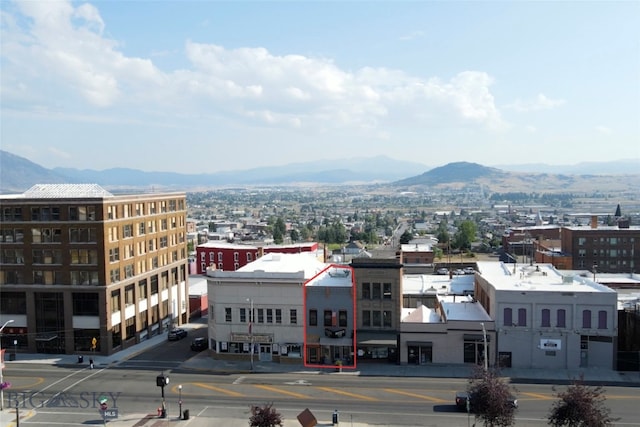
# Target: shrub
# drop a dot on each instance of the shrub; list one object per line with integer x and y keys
{"x": 265, "y": 416}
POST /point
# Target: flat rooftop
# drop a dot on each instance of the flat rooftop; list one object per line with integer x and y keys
{"x": 536, "y": 277}
{"x": 333, "y": 276}
{"x": 303, "y": 265}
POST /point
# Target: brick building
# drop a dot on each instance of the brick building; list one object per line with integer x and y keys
{"x": 83, "y": 270}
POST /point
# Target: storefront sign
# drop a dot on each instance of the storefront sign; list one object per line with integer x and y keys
{"x": 549, "y": 344}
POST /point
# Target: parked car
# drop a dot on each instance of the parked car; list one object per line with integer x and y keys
{"x": 458, "y": 272}
{"x": 442, "y": 271}
{"x": 469, "y": 270}
{"x": 177, "y": 334}
{"x": 463, "y": 396}
{"x": 199, "y": 344}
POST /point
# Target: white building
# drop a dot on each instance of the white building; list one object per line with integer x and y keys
{"x": 273, "y": 286}
{"x": 546, "y": 320}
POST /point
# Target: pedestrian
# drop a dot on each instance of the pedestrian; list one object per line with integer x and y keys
{"x": 90, "y": 363}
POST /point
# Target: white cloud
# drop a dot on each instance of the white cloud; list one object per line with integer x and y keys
{"x": 411, "y": 36}
{"x": 63, "y": 49}
{"x": 540, "y": 102}
{"x": 603, "y": 129}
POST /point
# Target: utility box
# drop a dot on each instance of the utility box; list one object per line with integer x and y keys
{"x": 307, "y": 419}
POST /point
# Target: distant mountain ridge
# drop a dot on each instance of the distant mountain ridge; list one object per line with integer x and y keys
{"x": 17, "y": 174}
{"x": 464, "y": 172}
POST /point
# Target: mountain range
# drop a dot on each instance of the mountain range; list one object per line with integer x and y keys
{"x": 17, "y": 174}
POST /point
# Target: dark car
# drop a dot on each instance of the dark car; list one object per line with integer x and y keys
{"x": 463, "y": 396}
{"x": 199, "y": 344}
{"x": 177, "y": 334}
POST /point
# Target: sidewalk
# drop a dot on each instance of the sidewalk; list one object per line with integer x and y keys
{"x": 203, "y": 362}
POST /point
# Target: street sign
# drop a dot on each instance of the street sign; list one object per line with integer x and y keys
{"x": 110, "y": 414}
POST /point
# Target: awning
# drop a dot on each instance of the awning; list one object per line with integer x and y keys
{"x": 476, "y": 337}
{"x": 376, "y": 338}
{"x": 340, "y": 342}
{"x": 46, "y": 337}
{"x": 420, "y": 343}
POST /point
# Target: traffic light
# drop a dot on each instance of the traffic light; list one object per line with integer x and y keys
{"x": 162, "y": 381}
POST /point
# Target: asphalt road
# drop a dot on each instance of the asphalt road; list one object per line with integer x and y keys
{"x": 69, "y": 396}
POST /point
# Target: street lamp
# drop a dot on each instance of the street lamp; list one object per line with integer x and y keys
{"x": 484, "y": 337}
{"x": 2, "y": 366}
{"x": 180, "y": 401}
{"x": 251, "y": 331}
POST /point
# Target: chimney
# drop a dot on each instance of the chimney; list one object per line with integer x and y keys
{"x": 594, "y": 221}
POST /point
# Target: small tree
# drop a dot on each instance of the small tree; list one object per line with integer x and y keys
{"x": 406, "y": 237}
{"x": 580, "y": 406}
{"x": 265, "y": 416}
{"x": 490, "y": 398}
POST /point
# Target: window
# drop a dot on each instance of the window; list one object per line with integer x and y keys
{"x": 114, "y": 254}
{"x": 152, "y": 245}
{"x": 236, "y": 256}
{"x": 342, "y": 318}
{"x": 366, "y": 291}
{"x": 115, "y": 301}
{"x": 386, "y": 319}
{"x": 313, "y": 317}
{"x": 127, "y": 231}
{"x": 562, "y": 318}
{"x": 129, "y": 295}
{"x": 278, "y": 315}
{"x": 586, "y": 319}
{"x": 293, "y": 316}
{"x": 84, "y": 278}
{"x": 508, "y": 317}
{"x": 243, "y": 315}
{"x": 581, "y": 241}
{"x": 269, "y": 315}
{"x": 366, "y": 318}
{"x": 115, "y": 275}
{"x": 260, "y": 315}
{"x": 220, "y": 256}
{"x": 82, "y": 213}
{"x": 249, "y": 257}
{"x": 163, "y": 224}
{"x": 141, "y": 228}
{"x": 328, "y": 315}
{"x": 227, "y": 314}
{"x": 522, "y": 317}
{"x": 128, "y": 271}
{"x": 84, "y": 256}
{"x": 142, "y": 289}
{"x": 602, "y": 319}
{"x": 377, "y": 319}
{"x": 376, "y": 294}
{"x": 546, "y": 318}
{"x": 386, "y": 291}
{"x": 163, "y": 242}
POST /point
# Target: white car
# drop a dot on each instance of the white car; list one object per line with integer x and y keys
{"x": 469, "y": 270}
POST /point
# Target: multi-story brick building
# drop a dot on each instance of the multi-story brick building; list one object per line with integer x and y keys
{"x": 603, "y": 248}
{"x": 83, "y": 270}
{"x": 232, "y": 256}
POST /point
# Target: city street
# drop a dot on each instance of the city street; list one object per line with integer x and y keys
{"x": 54, "y": 395}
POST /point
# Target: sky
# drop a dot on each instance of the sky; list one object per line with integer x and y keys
{"x": 208, "y": 86}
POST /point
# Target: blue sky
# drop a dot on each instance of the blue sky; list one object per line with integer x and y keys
{"x": 207, "y": 86}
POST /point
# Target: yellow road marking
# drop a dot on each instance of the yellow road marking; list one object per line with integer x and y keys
{"x": 221, "y": 390}
{"x": 345, "y": 393}
{"x": 540, "y": 396}
{"x": 39, "y": 380}
{"x": 277, "y": 390}
{"x": 419, "y": 396}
